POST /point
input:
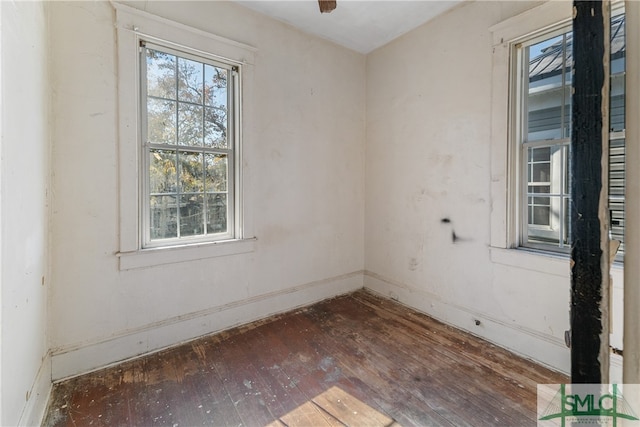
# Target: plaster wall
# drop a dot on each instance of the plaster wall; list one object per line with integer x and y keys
{"x": 428, "y": 159}
{"x": 24, "y": 177}
{"x": 304, "y": 170}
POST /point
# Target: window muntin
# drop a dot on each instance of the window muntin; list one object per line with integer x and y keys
{"x": 188, "y": 135}
{"x": 544, "y": 69}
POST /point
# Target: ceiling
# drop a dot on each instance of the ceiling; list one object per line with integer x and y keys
{"x": 358, "y": 25}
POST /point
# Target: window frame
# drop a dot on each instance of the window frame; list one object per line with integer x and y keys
{"x": 508, "y": 181}
{"x": 132, "y": 26}
{"x": 234, "y": 114}
{"x": 505, "y": 178}
{"x": 521, "y": 144}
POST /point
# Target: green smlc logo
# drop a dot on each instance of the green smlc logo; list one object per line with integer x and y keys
{"x": 586, "y": 403}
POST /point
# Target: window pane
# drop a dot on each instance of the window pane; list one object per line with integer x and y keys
{"x": 617, "y": 183}
{"x": 190, "y": 81}
{"x": 617, "y": 87}
{"x": 161, "y": 74}
{"x": 618, "y": 44}
{"x": 616, "y": 106}
{"x": 162, "y": 171}
{"x": 566, "y": 189}
{"x": 566, "y": 120}
{"x": 161, "y": 119}
{"x": 541, "y": 215}
{"x": 539, "y": 189}
{"x": 163, "y": 215}
{"x": 616, "y": 213}
{"x": 216, "y": 213}
{"x": 191, "y": 219}
{"x": 542, "y": 201}
{"x": 545, "y": 123}
{"x": 540, "y": 172}
{"x": 191, "y": 173}
{"x": 215, "y": 127}
{"x": 539, "y": 165}
{"x": 541, "y": 154}
{"x": 566, "y": 235}
{"x": 215, "y": 87}
{"x": 189, "y": 124}
{"x": 546, "y": 89}
{"x": 216, "y": 172}
{"x": 616, "y": 167}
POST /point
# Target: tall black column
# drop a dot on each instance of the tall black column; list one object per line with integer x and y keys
{"x": 589, "y": 253}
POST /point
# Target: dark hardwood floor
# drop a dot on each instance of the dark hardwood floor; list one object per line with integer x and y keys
{"x": 357, "y": 360}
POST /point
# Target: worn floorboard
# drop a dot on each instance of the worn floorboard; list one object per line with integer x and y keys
{"x": 356, "y": 360}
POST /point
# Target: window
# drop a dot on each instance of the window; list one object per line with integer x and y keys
{"x": 544, "y": 139}
{"x": 542, "y": 124}
{"x": 188, "y": 113}
{"x": 180, "y": 142}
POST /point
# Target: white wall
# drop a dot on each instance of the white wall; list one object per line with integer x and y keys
{"x": 305, "y": 165}
{"x": 24, "y": 212}
{"x": 428, "y": 158}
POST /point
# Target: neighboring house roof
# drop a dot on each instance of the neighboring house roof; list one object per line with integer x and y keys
{"x": 549, "y": 62}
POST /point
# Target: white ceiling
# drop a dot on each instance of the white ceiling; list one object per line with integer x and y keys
{"x": 359, "y": 25}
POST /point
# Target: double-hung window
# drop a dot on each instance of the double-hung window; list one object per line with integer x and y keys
{"x": 542, "y": 122}
{"x": 189, "y": 133}
{"x": 180, "y": 94}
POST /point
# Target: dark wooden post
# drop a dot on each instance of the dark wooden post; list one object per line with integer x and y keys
{"x": 589, "y": 188}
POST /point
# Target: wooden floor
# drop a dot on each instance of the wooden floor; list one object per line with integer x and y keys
{"x": 353, "y": 360}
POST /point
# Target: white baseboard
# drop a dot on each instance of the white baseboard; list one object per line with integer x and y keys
{"x": 81, "y": 358}
{"x": 34, "y": 409}
{"x": 542, "y": 348}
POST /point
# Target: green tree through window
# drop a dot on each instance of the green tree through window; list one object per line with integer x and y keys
{"x": 189, "y": 151}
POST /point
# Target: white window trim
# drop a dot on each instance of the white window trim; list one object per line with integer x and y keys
{"x": 506, "y": 226}
{"x": 504, "y": 176}
{"x": 131, "y": 26}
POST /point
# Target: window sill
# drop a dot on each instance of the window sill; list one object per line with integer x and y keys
{"x": 175, "y": 254}
{"x": 557, "y": 264}
{"x": 530, "y": 259}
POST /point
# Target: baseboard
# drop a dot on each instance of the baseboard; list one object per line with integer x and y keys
{"x": 539, "y": 347}
{"x": 81, "y": 358}
{"x": 36, "y": 404}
